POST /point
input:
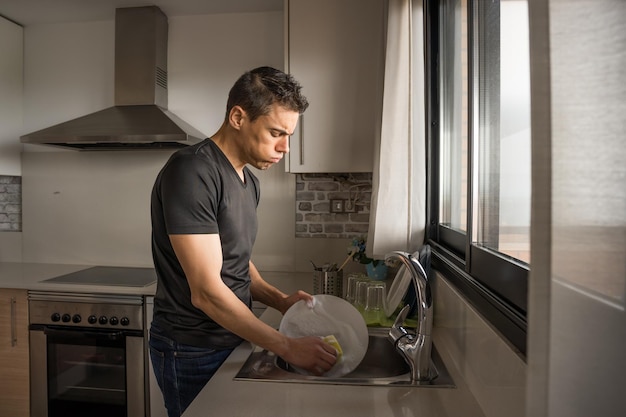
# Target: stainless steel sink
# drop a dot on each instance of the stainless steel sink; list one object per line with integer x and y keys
{"x": 382, "y": 365}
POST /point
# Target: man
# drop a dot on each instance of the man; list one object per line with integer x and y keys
{"x": 204, "y": 225}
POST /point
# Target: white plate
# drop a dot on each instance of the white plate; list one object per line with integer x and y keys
{"x": 398, "y": 289}
{"x": 330, "y": 315}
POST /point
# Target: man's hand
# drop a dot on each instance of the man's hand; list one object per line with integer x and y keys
{"x": 290, "y": 300}
{"x": 272, "y": 296}
{"x": 311, "y": 354}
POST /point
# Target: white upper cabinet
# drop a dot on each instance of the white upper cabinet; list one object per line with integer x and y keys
{"x": 335, "y": 50}
{"x": 11, "y": 96}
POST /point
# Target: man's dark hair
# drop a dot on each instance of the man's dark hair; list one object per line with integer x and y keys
{"x": 258, "y": 89}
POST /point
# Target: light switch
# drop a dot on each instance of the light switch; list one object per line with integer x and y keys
{"x": 336, "y": 206}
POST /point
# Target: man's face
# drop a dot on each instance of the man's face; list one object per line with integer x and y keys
{"x": 266, "y": 140}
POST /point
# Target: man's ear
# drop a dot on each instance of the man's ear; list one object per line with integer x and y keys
{"x": 236, "y": 117}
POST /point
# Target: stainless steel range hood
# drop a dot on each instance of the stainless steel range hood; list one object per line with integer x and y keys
{"x": 139, "y": 119}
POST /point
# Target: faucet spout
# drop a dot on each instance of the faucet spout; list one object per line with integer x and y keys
{"x": 415, "y": 348}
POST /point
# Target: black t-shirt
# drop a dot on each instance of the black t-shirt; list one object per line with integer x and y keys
{"x": 199, "y": 192}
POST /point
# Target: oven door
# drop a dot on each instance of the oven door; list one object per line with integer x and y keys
{"x": 86, "y": 372}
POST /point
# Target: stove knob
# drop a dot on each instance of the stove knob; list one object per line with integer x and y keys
{"x": 65, "y": 318}
{"x": 113, "y": 320}
{"x": 103, "y": 320}
{"x": 92, "y": 319}
{"x": 124, "y": 321}
{"x": 55, "y": 317}
{"x": 76, "y": 318}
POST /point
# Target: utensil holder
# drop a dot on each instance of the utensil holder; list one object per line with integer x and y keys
{"x": 325, "y": 282}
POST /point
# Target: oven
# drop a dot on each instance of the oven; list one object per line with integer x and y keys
{"x": 87, "y": 355}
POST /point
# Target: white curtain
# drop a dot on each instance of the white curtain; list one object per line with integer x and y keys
{"x": 398, "y": 210}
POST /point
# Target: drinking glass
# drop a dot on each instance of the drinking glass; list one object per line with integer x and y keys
{"x": 360, "y": 300}
{"x": 351, "y": 286}
{"x": 376, "y": 297}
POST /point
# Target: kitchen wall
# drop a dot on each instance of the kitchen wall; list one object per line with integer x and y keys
{"x": 10, "y": 218}
{"x": 493, "y": 370}
{"x": 316, "y": 193}
{"x": 10, "y": 246}
{"x": 10, "y": 203}
{"x": 92, "y": 207}
{"x": 577, "y": 285}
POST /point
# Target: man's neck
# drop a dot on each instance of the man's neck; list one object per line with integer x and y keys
{"x": 225, "y": 143}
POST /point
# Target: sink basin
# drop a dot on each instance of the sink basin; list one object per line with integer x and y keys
{"x": 382, "y": 365}
{"x": 380, "y": 361}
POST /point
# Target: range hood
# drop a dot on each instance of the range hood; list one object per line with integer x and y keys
{"x": 139, "y": 119}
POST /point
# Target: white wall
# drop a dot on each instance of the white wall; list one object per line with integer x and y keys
{"x": 588, "y": 318}
{"x": 92, "y": 208}
{"x": 88, "y": 208}
{"x": 11, "y": 247}
{"x": 577, "y": 296}
{"x": 493, "y": 370}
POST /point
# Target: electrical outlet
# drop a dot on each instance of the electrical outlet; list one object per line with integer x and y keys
{"x": 337, "y": 206}
{"x": 349, "y": 206}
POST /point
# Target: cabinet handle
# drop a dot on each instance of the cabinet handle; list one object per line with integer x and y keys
{"x": 13, "y": 322}
{"x": 302, "y": 140}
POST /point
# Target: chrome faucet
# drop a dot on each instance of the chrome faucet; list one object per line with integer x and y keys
{"x": 415, "y": 348}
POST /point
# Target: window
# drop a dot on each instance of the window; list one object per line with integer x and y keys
{"x": 479, "y": 147}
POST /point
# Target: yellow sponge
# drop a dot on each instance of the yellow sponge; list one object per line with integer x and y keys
{"x": 332, "y": 340}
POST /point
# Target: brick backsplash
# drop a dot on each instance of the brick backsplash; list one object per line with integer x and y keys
{"x": 10, "y": 203}
{"x": 314, "y": 193}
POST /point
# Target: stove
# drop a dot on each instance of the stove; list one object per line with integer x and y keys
{"x": 88, "y": 349}
{"x": 80, "y": 311}
{"x": 109, "y": 275}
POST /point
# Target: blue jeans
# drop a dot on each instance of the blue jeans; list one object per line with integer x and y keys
{"x": 181, "y": 370}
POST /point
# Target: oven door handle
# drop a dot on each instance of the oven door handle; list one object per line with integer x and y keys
{"x": 90, "y": 333}
{"x": 101, "y": 335}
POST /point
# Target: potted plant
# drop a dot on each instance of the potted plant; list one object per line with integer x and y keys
{"x": 376, "y": 268}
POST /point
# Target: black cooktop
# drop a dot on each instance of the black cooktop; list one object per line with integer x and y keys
{"x": 109, "y": 275}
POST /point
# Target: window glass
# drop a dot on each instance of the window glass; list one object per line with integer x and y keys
{"x": 502, "y": 128}
{"x": 481, "y": 156}
{"x": 453, "y": 87}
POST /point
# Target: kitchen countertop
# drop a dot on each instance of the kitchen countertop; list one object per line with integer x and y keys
{"x": 31, "y": 276}
{"x": 223, "y": 396}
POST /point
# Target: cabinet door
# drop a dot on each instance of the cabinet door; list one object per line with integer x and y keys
{"x": 14, "y": 362}
{"x": 335, "y": 50}
{"x": 11, "y": 94}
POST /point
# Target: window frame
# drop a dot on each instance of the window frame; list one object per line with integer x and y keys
{"x": 495, "y": 284}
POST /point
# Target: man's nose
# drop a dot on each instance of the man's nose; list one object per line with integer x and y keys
{"x": 283, "y": 145}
